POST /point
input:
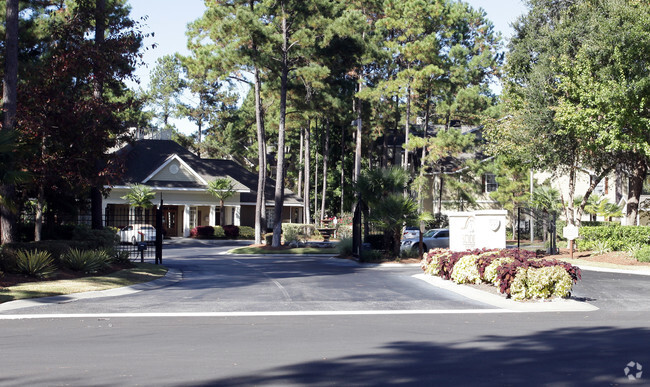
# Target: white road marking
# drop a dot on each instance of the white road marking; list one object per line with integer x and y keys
{"x": 254, "y": 314}
{"x": 278, "y": 284}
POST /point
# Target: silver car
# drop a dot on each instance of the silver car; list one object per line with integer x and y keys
{"x": 438, "y": 237}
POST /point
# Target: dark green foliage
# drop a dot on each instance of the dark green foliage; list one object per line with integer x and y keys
{"x": 87, "y": 261}
{"x": 97, "y": 239}
{"x": 438, "y": 221}
{"x": 122, "y": 257}
{"x": 218, "y": 232}
{"x": 618, "y": 238}
{"x": 371, "y": 255}
{"x": 376, "y": 241}
{"x": 643, "y": 254}
{"x": 35, "y": 263}
{"x": 268, "y": 238}
{"x": 345, "y": 247}
{"x": 55, "y": 248}
{"x": 8, "y": 259}
{"x": 246, "y": 232}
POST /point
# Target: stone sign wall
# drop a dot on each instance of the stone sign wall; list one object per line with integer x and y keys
{"x": 477, "y": 230}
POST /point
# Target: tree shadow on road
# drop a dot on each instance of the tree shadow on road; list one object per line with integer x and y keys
{"x": 564, "y": 357}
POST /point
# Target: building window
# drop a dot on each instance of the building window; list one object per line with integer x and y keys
{"x": 491, "y": 184}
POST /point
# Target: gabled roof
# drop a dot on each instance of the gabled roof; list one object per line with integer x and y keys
{"x": 145, "y": 159}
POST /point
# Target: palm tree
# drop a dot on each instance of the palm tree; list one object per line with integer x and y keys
{"x": 384, "y": 203}
{"x": 222, "y": 189}
{"x": 140, "y": 196}
{"x": 392, "y": 213}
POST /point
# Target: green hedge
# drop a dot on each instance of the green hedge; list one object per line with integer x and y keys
{"x": 616, "y": 237}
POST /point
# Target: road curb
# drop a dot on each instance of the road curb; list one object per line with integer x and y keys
{"x": 172, "y": 276}
{"x": 612, "y": 270}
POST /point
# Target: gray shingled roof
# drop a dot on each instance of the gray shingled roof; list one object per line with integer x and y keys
{"x": 143, "y": 157}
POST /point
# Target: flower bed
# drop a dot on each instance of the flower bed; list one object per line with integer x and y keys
{"x": 518, "y": 274}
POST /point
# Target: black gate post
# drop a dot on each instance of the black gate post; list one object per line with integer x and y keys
{"x": 356, "y": 230}
{"x": 159, "y": 232}
{"x": 518, "y": 227}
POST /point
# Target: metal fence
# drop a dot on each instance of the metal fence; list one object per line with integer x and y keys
{"x": 139, "y": 231}
{"x": 537, "y": 224}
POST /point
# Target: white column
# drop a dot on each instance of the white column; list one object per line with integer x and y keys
{"x": 104, "y": 213}
{"x": 237, "y": 220}
{"x": 212, "y": 218}
{"x": 186, "y": 221}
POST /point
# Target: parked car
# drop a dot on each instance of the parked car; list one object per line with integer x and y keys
{"x": 411, "y": 232}
{"x": 438, "y": 237}
{"x": 135, "y": 233}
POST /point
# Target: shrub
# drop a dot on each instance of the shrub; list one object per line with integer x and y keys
{"x": 430, "y": 260}
{"x": 601, "y": 247}
{"x": 122, "y": 257}
{"x": 618, "y": 237}
{"x": 202, "y": 232}
{"x": 268, "y": 238}
{"x": 344, "y": 247}
{"x": 246, "y": 232}
{"x": 97, "y": 239}
{"x": 87, "y": 261}
{"x": 35, "y": 263}
{"x": 55, "y": 248}
{"x": 8, "y": 259}
{"x": 231, "y": 231}
{"x": 643, "y": 254}
{"x": 343, "y": 231}
{"x": 409, "y": 253}
{"x": 376, "y": 241}
{"x": 371, "y": 255}
{"x": 543, "y": 282}
{"x": 517, "y": 273}
{"x": 465, "y": 271}
{"x": 58, "y": 231}
{"x": 490, "y": 273}
{"x": 293, "y": 233}
{"x": 218, "y": 232}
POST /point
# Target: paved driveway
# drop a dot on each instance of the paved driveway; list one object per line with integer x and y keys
{"x": 214, "y": 282}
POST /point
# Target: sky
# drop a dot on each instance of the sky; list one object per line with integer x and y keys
{"x": 168, "y": 21}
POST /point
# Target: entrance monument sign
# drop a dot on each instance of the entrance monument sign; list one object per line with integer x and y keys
{"x": 484, "y": 229}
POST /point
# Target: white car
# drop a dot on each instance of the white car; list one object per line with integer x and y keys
{"x": 438, "y": 237}
{"x": 135, "y": 233}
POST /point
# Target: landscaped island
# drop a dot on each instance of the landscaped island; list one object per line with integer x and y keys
{"x": 519, "y": 274}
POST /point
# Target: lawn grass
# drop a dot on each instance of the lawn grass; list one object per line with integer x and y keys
{"x": 143, "y": 272}
{"x": 294, "y": 251}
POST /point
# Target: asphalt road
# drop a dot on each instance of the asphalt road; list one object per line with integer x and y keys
{"x": 435, "y": 337}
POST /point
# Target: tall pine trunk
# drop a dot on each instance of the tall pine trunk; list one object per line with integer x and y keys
{"x": 260, "y": 204}
{"x": 300, "y": 160}
{"x": 306, "y": 209}
{"x": 8, "y": 219}
{"x": 407, "y": 128}
{"x": 95, "y": 191}
{"x": 279, "y": 183}
{"x": 342, "y": 168}
{"x": 326, "y": 154}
